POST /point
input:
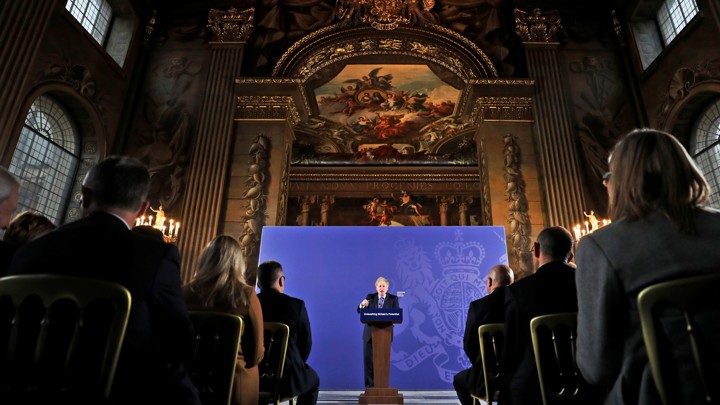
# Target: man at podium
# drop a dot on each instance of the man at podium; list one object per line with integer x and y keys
{"x": 381, "y": 299}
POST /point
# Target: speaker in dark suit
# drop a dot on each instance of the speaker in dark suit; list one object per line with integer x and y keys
{"x": 380, "y": 299}
{"x": 299, "y": 379}
{"x": 102, "y": 246}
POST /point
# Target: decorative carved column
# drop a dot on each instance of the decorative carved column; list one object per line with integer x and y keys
{"x": 23, "y": 22}
{"x": 463, "y": 209}
{"x": 445, "y": 202}
{"x": 305, "y": 203}
{"x": 325, "y": 202}
{"x": 564, "y": 195}
{"x": 206, "y": 180}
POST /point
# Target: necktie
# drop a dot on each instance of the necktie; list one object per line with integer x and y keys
{"x": 380, "y": 303}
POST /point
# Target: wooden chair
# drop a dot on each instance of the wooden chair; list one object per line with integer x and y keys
{"x": 272, "y": 366}
{"x": 681, "y": 325}
{"x": 491, "y": 338}
{"x": 211, "y": 360}
{"x": 60, "y": 338}
{"x": 554, "y": 342}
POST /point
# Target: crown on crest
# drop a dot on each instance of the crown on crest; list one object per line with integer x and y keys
{"x": 460, "y": 256}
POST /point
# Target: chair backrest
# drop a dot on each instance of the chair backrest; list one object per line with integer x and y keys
{"x": 681, "y": 328}
{"x": 554, "y": 342}
{"x": 492, "y": 336}
{"x": 272, "y": 366}
{"x": 211, "y": 360}
{"x": 60, "y": 337}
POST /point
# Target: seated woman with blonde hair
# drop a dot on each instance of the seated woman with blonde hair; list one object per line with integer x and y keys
{"x": 219, "y": 284}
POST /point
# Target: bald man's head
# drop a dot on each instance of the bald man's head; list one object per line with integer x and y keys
{"x": 499, "y": 276}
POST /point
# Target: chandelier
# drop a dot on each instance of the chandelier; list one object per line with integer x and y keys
{"x": 169, "y": 227}
{"x": 383, "y": 15}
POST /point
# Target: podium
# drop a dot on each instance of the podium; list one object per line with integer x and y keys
{"x": 381, "y": 322}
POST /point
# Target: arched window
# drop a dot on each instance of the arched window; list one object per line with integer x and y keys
{"x": 706, "y": 149}
{"x": 46, "y": 159}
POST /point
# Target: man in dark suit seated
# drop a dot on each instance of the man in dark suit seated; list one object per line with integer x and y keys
{"x": 380, "y": 299}
{"x": 298, "y": 379}
{"x": 488, "y": 309}
{"x": 9, "y": 195}
{"x": 551, "y": 289}
{"x": 102, "y": 246}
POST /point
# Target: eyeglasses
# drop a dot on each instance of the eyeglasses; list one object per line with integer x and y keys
{"x": 606, "y": 178}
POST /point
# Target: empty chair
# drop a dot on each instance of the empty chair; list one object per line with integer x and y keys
{"x": 272, "y": 366}
{"x": 554, "y": 339}
{"x": 60, "y": 338}
{"x": 491, "y": 337}
{"x": 681, "y": 329}
{"x": 211, "y": 360}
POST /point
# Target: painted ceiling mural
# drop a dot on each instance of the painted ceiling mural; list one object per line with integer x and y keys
{"x": 385, "y": 114}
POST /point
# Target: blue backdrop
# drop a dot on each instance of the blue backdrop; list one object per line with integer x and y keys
{"x": 436, "y": 271}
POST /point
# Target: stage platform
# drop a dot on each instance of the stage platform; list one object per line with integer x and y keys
{"x": 411, "y": 397}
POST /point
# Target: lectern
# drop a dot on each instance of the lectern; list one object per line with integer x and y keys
{"x": 381, "y": 321}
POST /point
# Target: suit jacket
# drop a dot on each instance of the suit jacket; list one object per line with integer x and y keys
{"x": 610, "y": 349}
{"x": 550, "y": 290}
{"x": 279, "y": 307}
{"x": 488, "y": 309}
{"x": 391, "y": 301}
{"x": 159, "y": 329}
{"x": 7, "y": 251}
{"x": 252, "y": 347}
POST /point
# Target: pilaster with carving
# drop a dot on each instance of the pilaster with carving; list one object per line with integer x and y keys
{"x": 306, "y": 202}
{"x": 518, "y": 218}
{"x": 325, "y": 202}
{"x": 463, "y": 206}
{"x": 231, "y": 25}
{"x": 445, "y": 202}
{"x": 537, "y": 26}
{"x": 254, "y": 196}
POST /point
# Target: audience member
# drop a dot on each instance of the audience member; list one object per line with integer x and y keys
{"x": 101, "y": 245}
{"x": 298, "y": 379}
{"x": 488, "y": 309}
{"x": 27, "y": 226}
{"x": 380, "y": 299}
{"x": 9, "y": 188}
{"x": 659, "y": 231}
{"x": 150, "y": 232}
{"x": 551, "y": 289}
{"x": 219, "y": 284}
